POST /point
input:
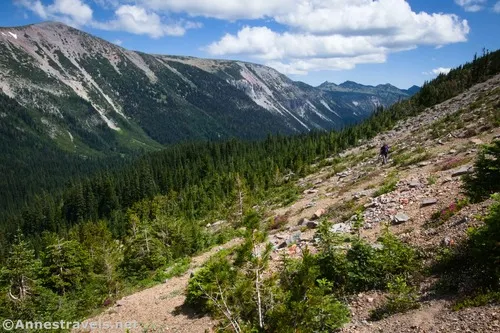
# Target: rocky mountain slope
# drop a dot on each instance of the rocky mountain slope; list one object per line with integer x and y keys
{"x": 429, "y": 153}
{"x": 85, "y": 93}
{"x": 366, "y": 97}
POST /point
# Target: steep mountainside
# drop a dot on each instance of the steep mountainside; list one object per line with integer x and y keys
{"x": 86, "y": 93}
{"x": 366, "y": 97}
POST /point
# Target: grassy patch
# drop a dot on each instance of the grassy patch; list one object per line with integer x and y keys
{"x": 411, "y": 158}
{"x": 452, "y": 163}
{"x": 389, "y": 185}
{"x": 485, "y": 298}
{"x": 283, "y": 196}
{"x": 431, "y": 180}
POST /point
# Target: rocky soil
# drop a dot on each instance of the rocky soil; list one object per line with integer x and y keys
{"x": 429, "y": 154}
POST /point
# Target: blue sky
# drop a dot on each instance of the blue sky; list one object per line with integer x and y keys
{"x": 367, "y": 41}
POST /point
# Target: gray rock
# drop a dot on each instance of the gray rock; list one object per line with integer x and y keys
{"x": 414, "y": 184}
{"x": 462, "y": 171}
{"x": 447, "y": 180}
{"x": 341, "y": 228}
{"x": 428, "y": 202}
{"x": 282, "y": 245}
{"x": 312, "y": 224}
{"x": 310, "y": 191}
{"x": 370, "y": 204}
{"x": 476, "y": 141}
{"x": 401, "y": 218}
{"x": 304, "y": 221}
{"x": 424, "y": 163}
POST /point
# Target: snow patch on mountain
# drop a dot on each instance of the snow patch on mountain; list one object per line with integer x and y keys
{"x": 375, "y": 101}
{"x": 316, "y": 111}
{"x": 355, "y": 103}
{"x": 325, "y": 104}
{"x": 13, "y": 35}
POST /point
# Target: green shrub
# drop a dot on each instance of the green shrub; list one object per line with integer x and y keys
{"x": 214, "y": 276}
{"x": 484, "y": 245}
{"x": 402, "y": 298}
{"x": 364, "y": 267}
{"x": 483, "y": 298}
{"x": 473, "y": 267}
{"x": 304, "y": 301}
{"x": 486, "y": 178}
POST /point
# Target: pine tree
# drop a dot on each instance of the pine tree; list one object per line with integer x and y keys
{"x": 21, "y": 271}
{"x": 66, "y": 265}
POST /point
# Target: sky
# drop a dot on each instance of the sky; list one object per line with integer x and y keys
{"x": 371, "y": 42}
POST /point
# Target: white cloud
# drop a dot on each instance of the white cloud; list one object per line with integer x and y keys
{"x": 312, "y": 35}
{"x": 264, "y": 43}
{"x": 118, "y": 42}
{"x": 137, "y": 20}
{"x": 223, "y": 9}
{"x": 471, "y": 5}
{"x": 304, "y": 66}
{"x": 320, "y": 37}
{"x": 437, "y": 71}
{"x": 496, "y": 8}
{"x": 129, "y": 18}
{"x": 73, "y": 12}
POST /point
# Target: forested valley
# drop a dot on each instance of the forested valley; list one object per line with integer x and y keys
{"x": 117, "y": 225}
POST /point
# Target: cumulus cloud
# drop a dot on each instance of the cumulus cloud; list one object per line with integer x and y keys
{"x": 73, "y": 12}
{"x": 312, "y": 35}
{"x": 223, "y": 9}
{"x": 437, "y": 71}
{"x": 496, "y": 7}
{"x": 471, "y": 5}
{"x": 137, "y": 20}
{"x": 324, "y": 36}
{"x": 264, "y": 43}
{"x": 130, "y": 18}
{"x": 304, "y": 66}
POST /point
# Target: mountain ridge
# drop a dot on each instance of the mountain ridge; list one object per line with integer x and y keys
{"x": 85, "y": 86}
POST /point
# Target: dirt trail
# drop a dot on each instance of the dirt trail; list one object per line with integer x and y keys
{"x": 158, "y": 309}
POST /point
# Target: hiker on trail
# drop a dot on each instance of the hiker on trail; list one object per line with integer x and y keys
{"x": 384, "y": 151}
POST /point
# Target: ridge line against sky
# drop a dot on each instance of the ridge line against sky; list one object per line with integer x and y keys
{"x": 371, "y": 42}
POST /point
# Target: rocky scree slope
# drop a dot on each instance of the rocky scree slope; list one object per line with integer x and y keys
{"x": 85, "y": 92}
{"x": 429, "y": 153}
